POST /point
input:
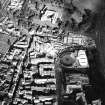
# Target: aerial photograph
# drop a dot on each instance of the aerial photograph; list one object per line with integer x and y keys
{"x": 52, "y": 52}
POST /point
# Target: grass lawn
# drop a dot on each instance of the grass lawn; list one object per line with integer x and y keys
{"x": 4, "y": 46}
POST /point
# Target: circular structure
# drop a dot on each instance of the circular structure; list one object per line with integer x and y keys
{"x": 67, "y": 59}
